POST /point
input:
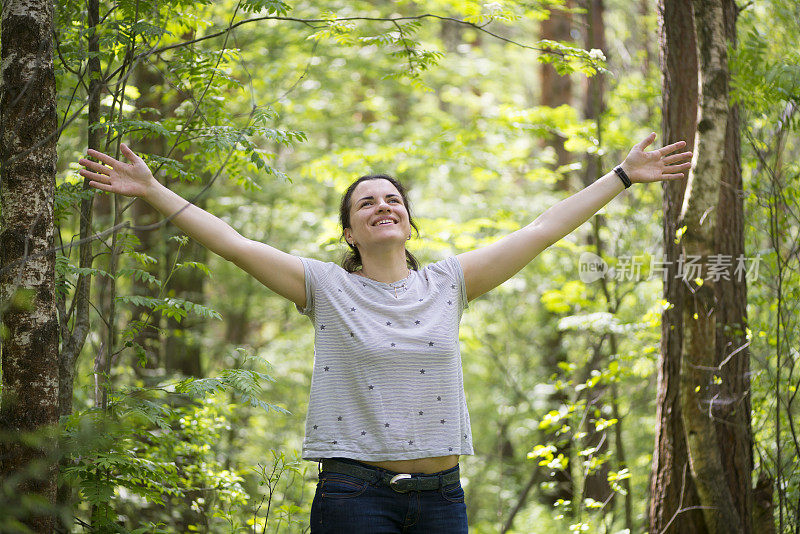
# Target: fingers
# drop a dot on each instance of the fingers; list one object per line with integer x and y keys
{"x": 93, "y": 165}
{"x": 105, "y": 158}
{"x": 102, "y": 187}
{"x": 128, "y": 153}
{"x": 646, "y": 141}
{"x": 674, "y": 170}
{"x": 669, "y": 160}
{"x": 94, "y": 176}
{"x": 671, "y": 148}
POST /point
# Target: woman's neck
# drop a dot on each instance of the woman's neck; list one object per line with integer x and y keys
{"x": 385, "y": 267}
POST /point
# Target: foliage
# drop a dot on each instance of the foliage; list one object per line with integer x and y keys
{"x": 158, "y": 448}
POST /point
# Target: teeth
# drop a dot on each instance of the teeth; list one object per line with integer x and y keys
{"x": 385, "y": 221}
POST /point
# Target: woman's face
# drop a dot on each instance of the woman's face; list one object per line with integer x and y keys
{"x": 377, "y": 215}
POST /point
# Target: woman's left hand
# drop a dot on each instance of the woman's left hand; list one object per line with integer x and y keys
{"x": 656, "y": 165}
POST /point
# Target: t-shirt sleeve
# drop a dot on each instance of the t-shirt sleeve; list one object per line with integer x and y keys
{"x": 450, "y": 268}
{"x": 316, "y": 276}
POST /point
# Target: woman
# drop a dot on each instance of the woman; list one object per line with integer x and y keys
{"x": 387, "y": 417}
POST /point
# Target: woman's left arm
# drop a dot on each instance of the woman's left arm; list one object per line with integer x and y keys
{"x": 487, "y": 267}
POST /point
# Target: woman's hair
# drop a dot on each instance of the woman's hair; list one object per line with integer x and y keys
{"x": 352, "y": 258}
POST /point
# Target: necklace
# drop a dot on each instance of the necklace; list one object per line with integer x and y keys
{"x": 396, "y": 287}
{"x": 393, "y": 285}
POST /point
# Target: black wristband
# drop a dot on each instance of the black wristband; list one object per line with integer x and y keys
{"x": 622, "y": 176}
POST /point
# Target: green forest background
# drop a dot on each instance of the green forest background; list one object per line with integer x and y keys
{"x": 191, "y": 389}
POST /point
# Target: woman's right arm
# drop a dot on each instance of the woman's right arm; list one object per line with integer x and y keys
{"x": 279, "y": 271}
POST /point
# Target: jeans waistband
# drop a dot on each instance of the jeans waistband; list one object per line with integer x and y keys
{"x": 399, "y": 482}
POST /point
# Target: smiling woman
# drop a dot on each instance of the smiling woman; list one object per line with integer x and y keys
{"x": 387, "y": 416}
{"x": 376, "y": 194}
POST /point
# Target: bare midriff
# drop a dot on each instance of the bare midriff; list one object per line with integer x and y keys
{"x": 434, "y": 464}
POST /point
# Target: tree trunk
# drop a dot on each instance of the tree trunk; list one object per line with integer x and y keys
{"x": 703, "y": 407}
{"x": 672, "y": 492}
{"x": 28, "y": 322}
{"x": 716, "y": 403}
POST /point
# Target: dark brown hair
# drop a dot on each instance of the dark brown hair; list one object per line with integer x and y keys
{"x": 352, "y": 258}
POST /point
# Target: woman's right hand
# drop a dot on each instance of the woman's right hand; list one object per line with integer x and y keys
{"x": 132, "y": 179}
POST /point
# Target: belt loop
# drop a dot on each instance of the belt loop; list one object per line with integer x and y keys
{"x": 441, "y": 481}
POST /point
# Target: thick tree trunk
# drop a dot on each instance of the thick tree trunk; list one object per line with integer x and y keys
{"x": 28, "y": 322}
{"x": 673, "y": 496}
{"x": 704, "y": 370}
{"x": 716, "y": 405}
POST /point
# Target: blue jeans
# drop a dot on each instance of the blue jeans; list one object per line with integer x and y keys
{"x": 349, "y": 505}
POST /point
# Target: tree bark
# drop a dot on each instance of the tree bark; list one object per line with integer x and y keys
{"x": 673, "y": 497}
{"x": 703, "y": 407}
{"x": 716, "y": 407}
{"x": 28, "y": 322}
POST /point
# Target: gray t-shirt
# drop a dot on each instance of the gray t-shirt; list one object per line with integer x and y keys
{"x": 387, "y": 381}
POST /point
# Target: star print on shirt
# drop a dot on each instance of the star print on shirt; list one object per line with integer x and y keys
{"x": 322, "y": 327}
{"x": 441, "y": 421}
{"x": 352, "y": 334}
{"x": 371, "y": 386}
{"x": 386, "y": 425}
{"x": 449, "y": 302}
{"x": 422, "y": 371}
{"x": 416, "y": 322}
{"x": 420, "y": 300}
{"x": 450, "y": 448}
{"x": 438, "y": 397}
{"x": 335, "y": 442}
{"x": 411, "y": 442}
{"x": 430, "y": 343}
{"x": 453, "y": 286}
{"x": 388, "y": 323}
{"x": 315, "y": 427}
{"x": 326, "y": 367}
{"x": 363, "y": 432}
{"x": 393, "y": 344}
{"x": 420, "y": 412}
{"x": 339, "y": 418}
{"x": 352, "y": 309}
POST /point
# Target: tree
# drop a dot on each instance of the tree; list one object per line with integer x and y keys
{"x": 28, "y": 323}
{"x": 706, "y": 329}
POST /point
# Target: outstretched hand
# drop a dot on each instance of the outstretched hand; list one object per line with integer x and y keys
{"x": 132, "y": 179}
{"x": 656, "y": 165}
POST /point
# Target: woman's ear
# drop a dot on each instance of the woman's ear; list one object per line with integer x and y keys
{"x": 347, "y": 235}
